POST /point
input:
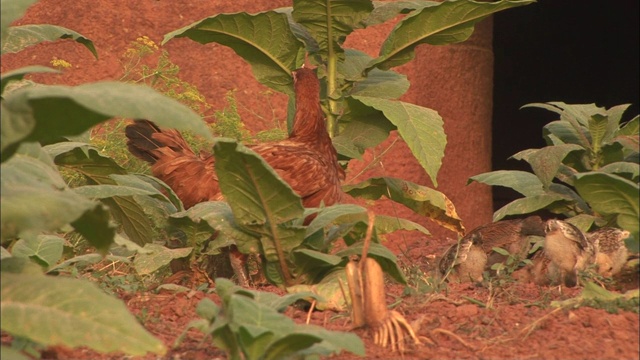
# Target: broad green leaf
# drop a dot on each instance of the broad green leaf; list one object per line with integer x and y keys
{"x": 218, "y": 217}
{"x": 289, "y": 345}
{"x": 528, "y": 205}
{"x": 348, "y": 213}
{"x": 33, "y": 194}
{"x": 614, "y": 115}
{"x": 254, "y": 191}
{"x": 628, "y": 170}
{"x": 385, "y": 11}
{"x": 164, "y": 189}
{"x": 561, "y": 132}
{"x": 21, "y": 37}
{"x": 632, "y": 127}
{"x": 573, "y": 202}
{"x": 18, "y": 265}
{"x": 45, "y": 113}
{"x": 613, "y": 195}
{"x": 310, "y": 266}
{"x": 596, "y": 296}
{"x": 47, "y": 249}
{"x": 159, "y": 256}
{"x": 328, "y": 215}
{"x": 98, "y": 169}
{"x": 254, "y": 340}
{"x": 584, "y": 222}
{"x": 386, "y": 84}
{"x": 11, "y": 11}
{"x": 150, "y": 199}
{"x": 246, "y": 311}
{"x": 523, "y": 182}
{"x": 329, "y": 22}
{"x": 329, "y": 293}
{"x": 95, "y": 226}
{"x": 423, "y": 200}
{"x": 314, "y": 258}
{"x": 546, "y": 162}
{"x": 264, "y": 40}
{"x": 91, "y": 258}
{"x": 421, "y": 128}
{"x": 361, "y": 127}
{"x": 447, "y": 23}
{"x": 388, "y": 224}
{"x": 261, "y": 202}
{"x": 333, "y": 341}
{"x": 106, "y": 191}
{"x": 577, "y": 115}
{"x": 18, "y": 74}
{"x": 277, "y": 302}
{"x": 84, "y": 315}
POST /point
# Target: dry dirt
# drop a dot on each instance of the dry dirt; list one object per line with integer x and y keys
{"x": 516, "y": 323}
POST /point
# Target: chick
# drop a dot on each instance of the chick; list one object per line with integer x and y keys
{"x": 568, "y": 250}
{"x": 466, "y": 260}
{"x": 542, "y": 271}
{"x": 612, "y": 252}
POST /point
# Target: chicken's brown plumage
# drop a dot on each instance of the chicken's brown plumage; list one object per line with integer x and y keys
{"x": 307, "y": 160}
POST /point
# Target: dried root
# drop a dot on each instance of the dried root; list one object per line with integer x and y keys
{"x": 366, "y": 287}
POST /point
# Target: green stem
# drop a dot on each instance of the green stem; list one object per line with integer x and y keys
{"x": 332, "y": 63}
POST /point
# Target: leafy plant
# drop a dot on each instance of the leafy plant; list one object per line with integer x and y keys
{"x": 361, "y": 93}
{"x": 588, "y": 172}
{"x": 249, "y": 325}
{"x": 600, "y": 298}
{"x": 263, "y": 215}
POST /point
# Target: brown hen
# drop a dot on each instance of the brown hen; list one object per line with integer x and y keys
{"x": 306, "y": 160}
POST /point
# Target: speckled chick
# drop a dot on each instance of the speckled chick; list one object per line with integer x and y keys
{"x": 466, "y": 260}
{"x": 568, "y": 250}
{"x": 612, "y": 252}
{"x": 542, "y": 271}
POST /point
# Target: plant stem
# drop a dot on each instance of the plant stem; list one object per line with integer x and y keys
{"x": 332, "y": 62}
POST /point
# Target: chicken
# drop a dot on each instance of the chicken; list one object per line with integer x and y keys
{"x": 568, "y": 251}
{"x": 612, "y": 252}
{"x": 466, "y": 260}
{"x": 306, "y": 160}
{"x": 476, "y": 248}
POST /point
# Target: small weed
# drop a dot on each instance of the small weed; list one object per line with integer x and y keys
{"x": 420, "y": 282}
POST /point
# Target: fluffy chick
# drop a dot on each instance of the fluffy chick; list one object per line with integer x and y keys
{"x": 466, "y": 260}
{"x": 612, "y": 252}
{"x": 568, "y": 250}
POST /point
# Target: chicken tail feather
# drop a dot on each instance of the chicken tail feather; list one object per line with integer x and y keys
{"x": 145, "y": 138}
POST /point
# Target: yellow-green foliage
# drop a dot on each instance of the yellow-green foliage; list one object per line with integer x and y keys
{"x": 228, "y": 122}
{"x": 145, "y": 63}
